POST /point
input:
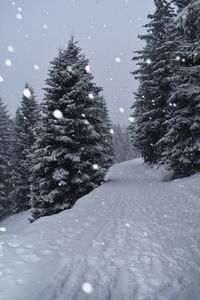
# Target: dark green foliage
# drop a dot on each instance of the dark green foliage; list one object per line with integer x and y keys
{"x": 73, "y": 151}
{"x": 182, "y": 140}
{"x": 5, "y": 158}
{"x": 155, "y": 68}
{"x": 181, "y": 3}
{"x": 24, "y": 137}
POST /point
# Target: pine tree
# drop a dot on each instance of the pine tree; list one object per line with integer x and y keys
{"x": 5, "y": 166}
{"x": 24, "y": 137}
{"x": 104, "y": 128}
{"x": 154, "y": 75}
{"x": 182, "y": 140}
{"x": 72, "y": 152}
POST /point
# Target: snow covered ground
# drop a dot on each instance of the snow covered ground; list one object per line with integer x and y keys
{"x": 135, "y": 237}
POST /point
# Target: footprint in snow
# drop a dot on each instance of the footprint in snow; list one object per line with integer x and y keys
{"x": 145, "y": 260}
{"x": 28, "y": 246}
{"x": 21, "y": 250}
{"x": 7, "y": 271}
{"x": 47, "y": 252}
{"x": 31, "y": 258}
{"x": 156, "y": 282}
{"x": 13, "y": 244}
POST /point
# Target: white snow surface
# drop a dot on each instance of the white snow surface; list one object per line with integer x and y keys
{"x": 135, "y": 237}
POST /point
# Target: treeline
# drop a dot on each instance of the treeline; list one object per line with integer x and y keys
{"x": 56, "y": 152}
{"x": 166, "y": 112}
{"x": 123, "y": 149}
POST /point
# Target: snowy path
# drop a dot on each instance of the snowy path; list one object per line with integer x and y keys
{"x": 135, "y": 237}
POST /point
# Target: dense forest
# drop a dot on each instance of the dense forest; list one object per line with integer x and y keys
{"x": 54, "y": 152}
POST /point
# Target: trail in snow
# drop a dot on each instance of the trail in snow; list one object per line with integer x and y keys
{"x": 135, "y": 237}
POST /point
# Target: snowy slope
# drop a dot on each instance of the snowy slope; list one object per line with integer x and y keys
{"x": 135, "y": 237}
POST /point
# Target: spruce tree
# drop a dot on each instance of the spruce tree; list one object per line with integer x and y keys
{"x": 103, "y": 127}
{"x": 24, "y": 137}
{"x": 72, "y": 153}
{"x": 182, "y": 140}
{"x": 154, "y": 75}
{"x": 5, "y": 160}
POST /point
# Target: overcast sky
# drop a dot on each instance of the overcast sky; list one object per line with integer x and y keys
{"x": 31, "y": 31}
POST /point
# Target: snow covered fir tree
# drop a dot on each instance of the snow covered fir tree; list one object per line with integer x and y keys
{"x": 154, "y": 71}
{"x": 74, "y": 149}
{"x": 166, "y": 111}
{"x": 23, "y": 139}
{"x": 182, "y": 140}
{"x": 5, "y": 160}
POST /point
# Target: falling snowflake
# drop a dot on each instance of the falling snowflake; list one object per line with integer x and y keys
{"x": 88, "y": 69}
{"x": 183, "y": 60}
{"x": 148, "y": 61}
{"x": 83, "y": 115}
{"x": 95, "y": 167}
{"x": 13, "y": 3}
{"x": 104, "y": 26}
{"x": 127, "y": 225}
{"x": 121, "y": 109}
{"x": 8, "y": 62}
{"x": 118, "y": 59}
{"x": 131, "y": 119}
{"x": 3, "y": 229}
{"x": 19, "y": 16}
{"x": 87, "y": 288}
{"x": 91, "y": 95}
{"x": 19, "y": 9}
{"x": 178, "y": 58}
{"x": 27, "y": 93}
{"x": 11, "y": 49}
{"x": 36, "y": 67}
{"x": 58, "y": 114}
{"x": 1, "y": 79}
{"x": 69, "y": 68}
{"x": 111, "y": 131}
{"x": 45, "y": 26}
